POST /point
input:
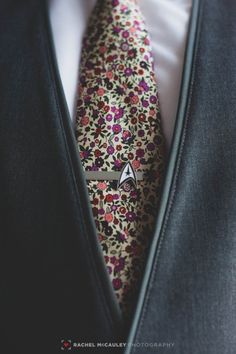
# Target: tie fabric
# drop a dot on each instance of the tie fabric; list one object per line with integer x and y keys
{"x": 118, "y": 130}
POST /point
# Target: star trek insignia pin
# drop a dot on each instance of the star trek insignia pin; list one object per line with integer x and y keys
{"x": 127, "y": 175}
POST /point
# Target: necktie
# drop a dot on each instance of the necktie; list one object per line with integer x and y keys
{"x": 119, "y": 136}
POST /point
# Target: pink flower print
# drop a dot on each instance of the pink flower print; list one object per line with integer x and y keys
{"x": 126, "y": 134}
{"x": 84, "y": 120}
{"x": 125, "y": 34}
{"x": 108, "y": 217}
{"x": 132, "y": 53}
{"x": 152, "y": 112}
{"x": 102, "y": 49}
{"x": 134, "y": 99}
{"x": 146, "y": 41}
{"x": 124, "y": 8}
{"x": 100, "y": 91}
{"x": 109, "y": 74}
{"x": 101, "y": 186}
{"x": 135, "y": 164}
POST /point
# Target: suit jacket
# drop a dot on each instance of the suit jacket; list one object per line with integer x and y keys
{"x": 54, "y": 283}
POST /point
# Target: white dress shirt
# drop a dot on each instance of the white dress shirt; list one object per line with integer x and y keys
{"x": 167, "y": 22}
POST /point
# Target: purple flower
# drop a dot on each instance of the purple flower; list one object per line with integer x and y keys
{"x": 89, "y": 65}
{"x": 140, "y": 152}
{"x": 81, "y": 112}
{"x": 122, "y": 237}
{"x": 126, "y": 135}
{"x": 124, "y": 46}
{"x": 120, "y": 90}
{"x": 133, "y": 194}
{"x": 133, "y": 110}
{"x": 128, "y": 71}
{"x": 116, "y": 128}
{"x": 95, "y": 113}
{"x": 87, "y": 99}
{"x": 119, "y": 114}
{"x": 121, "y": 264}
{"x": 109, "y": 117}
{"x": 130, "y": 216}
{"x": 101, "y": 121}
{"x": 150, "y": 146}
{"x": 90, "y": 90}
{"x": 115, "y": 2}
{"x": 116, "y": 29}
{"x": 122, "y": 261}
{"x": 145, "y": 103}
{"x": 144, "y": 85}
{"x": 153, "y": 99}
{"x": 117, "y": 163}
{"x": 140, "y": 133}
{"x": 94, "y": 168}
{"x": 113, "y": 260}
{"x": 117, "y": 284}
{"x": 110, "y": 150}
{"x": 125, "y": 34}
{"x": 86, "y": 154}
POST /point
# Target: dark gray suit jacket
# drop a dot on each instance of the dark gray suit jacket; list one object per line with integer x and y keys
{"x": 54, "y": 283}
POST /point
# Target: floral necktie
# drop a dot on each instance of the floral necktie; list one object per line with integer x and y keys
{"x": 120, "y": 140}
